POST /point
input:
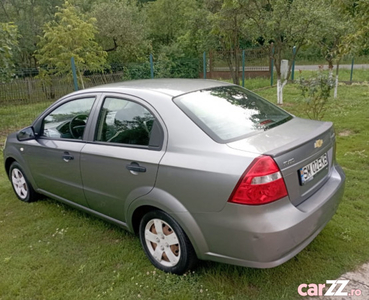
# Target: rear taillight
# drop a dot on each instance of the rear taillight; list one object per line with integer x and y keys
{"x": 261, "y": 183}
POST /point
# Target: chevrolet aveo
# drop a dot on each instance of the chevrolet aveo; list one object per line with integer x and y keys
{"x": 199, "y": 169}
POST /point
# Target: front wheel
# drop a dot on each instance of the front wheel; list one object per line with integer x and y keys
{"x": 20, "y": 184}
{"x": 165, "y": 243}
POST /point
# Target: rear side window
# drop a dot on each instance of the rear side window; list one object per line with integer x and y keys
{"x": 126, "y": 122}
{"x": 230, "y": 113}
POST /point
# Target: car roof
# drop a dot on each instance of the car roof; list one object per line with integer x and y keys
{"x": 171, "y": 87}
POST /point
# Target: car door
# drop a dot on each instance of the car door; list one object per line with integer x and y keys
{"x": 122, "y": 160}
{"x": 54, "y": 157}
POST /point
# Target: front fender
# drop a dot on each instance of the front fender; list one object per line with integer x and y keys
{"x": 17, "y": 156}
{"x": 162, "y": 200}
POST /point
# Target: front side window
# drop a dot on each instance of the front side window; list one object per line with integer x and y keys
{"x": 230, "y": 113}
{"x": 68, "y": 121}
{"x": 125, "y": 122}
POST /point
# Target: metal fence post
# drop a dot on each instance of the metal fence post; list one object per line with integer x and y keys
{"x": 293, "y": 63}
{"x": 352, "y": 69}
{"x": 151, "y": 67}
{"x": 243, "y": 68}
{"x": 74, "y": 74}
{"x": 204, "y": 62}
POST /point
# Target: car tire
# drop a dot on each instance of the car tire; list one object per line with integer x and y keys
{"x": 165, "y": 243}
{"x": 21, "y": 186}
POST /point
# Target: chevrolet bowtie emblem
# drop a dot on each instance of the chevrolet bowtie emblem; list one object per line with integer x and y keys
{"x": 318, "y": 143}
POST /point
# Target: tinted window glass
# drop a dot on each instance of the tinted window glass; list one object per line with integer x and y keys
{"x": 68, "y": 121}
{"x": 125, "y": 122}
{"x": 230, "y": 113}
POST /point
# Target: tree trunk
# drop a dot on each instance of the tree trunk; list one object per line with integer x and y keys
{"x": 232, "y": 65}
{"x": 227, "y": 55}
{"x": 279, "y": 92}
{"x": 336, "y": 82}
{"x": 330, "y": 67}
{"x": 280, "y": 86}
{"x": 81, "y": 78}
{"x": 237, "y": 66}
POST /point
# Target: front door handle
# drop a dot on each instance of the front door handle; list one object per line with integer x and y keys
{"x": 134, "y": 167}
{"x": 67, "y": 157}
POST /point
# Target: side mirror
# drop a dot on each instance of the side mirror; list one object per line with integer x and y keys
{"x": 26, "y": 134}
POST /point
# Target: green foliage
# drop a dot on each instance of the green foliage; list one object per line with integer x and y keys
{"x": 172, "y": 63}
{"x": 134, "y": 71}
{"x": 310, "y": 53}
{"x": 179, "y": 31}
{"x": 71, "y": 34}
{"x": 316, "y": 92}
{"x": 196, "y": 37}
{"x": 130, "y": 30}
{"x": 331, "y": 38}
{"x": 166, "y": 20}
{"x": 122, "y": 32}
{"x": 286, "y": 24}
{"x": 357, "y": 12}
{"x": 229, "y": 21}
{"x": 30, "y": 16}
{"x": 8, "y": 45}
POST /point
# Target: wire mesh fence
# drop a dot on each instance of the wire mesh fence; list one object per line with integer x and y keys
{"x": 250, "y": 63}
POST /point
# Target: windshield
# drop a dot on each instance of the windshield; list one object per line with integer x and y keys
{"x": 230, "y": 113}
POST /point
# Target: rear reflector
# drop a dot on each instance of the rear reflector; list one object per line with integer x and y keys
{"x": 261, "y": 183}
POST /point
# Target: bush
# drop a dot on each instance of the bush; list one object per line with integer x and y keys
{"x": 173, "y": 63}
{"x": 316, "y": 92}
{"x": 137, "y": 71}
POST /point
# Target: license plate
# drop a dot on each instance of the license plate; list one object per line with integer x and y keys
{"x": 308, "y": 172}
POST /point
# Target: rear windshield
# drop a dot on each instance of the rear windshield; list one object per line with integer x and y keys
{"x": 230, "y": 113}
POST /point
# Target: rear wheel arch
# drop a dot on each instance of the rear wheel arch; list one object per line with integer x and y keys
{"x": 138, "y": 215}
{"x": 170, "y": 205}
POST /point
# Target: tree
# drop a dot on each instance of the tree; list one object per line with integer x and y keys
{"x": 197, "y": 37}
{"x": 71, "y": 34}
{"x": 167, "y": 20}
{"x": 337, "y": 28}
{"x": 358, "y": 14}
{"x": 29, "y": 16}
{"x": 8, "y": 45}
{"x": 286, "y": 23}
{"x": 229, "y": 26}
{"x": 122, "y": 31}
{"x": 179, "y": 31}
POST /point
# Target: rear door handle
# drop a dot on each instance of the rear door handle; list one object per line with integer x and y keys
{"x": 134, "y": 167}
{"x": 67, "y": 157}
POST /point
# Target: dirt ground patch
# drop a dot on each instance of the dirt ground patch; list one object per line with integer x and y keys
{"x": 345, "y": 132}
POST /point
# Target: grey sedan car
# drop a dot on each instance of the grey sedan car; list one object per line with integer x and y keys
{"x": 199, "y": 169}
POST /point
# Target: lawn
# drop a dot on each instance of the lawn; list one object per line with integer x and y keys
{"x": 50, "y": 251}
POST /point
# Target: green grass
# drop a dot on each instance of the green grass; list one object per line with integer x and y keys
{"x": 15, "y": 116}
{"x": 345, "y": 61}
{"x": 51, "y": 251}
{"x": 300, "y": 60}
{"x": 358, "y": 75}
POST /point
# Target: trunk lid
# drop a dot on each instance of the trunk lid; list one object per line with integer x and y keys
{"x": 304, "y": 151}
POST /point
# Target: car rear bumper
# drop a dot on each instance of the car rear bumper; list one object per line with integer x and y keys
{"x": 268, "y": 235}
